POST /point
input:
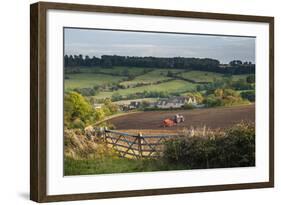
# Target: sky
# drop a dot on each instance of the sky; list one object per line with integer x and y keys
{"x": 94, "y": 42}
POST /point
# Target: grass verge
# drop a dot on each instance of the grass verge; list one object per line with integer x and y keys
{"x": 116, "y": 165}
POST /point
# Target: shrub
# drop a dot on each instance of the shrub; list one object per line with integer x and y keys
{"x": 251, "y": 79}
{"x": 116, "y": 97}
{"x": 78, "y": 112}
{"x": 196, "y": 95}
{"x": 188, "y": 106}
{"x": 212, "y": 101}
{"x": 223, "y": 97}
{"x": 249, "y": 95}
{"x": 87, "y": 91}
{"x": 234, "y": 148}
{"x": 109, "y": 108}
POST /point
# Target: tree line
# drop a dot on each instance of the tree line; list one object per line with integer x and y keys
{"x": 203, "y": 64}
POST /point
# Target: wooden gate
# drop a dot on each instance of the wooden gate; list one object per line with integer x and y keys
{"x": 136, "y": 146}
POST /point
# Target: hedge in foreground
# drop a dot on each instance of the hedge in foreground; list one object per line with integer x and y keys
{"x": 233, "y": 148}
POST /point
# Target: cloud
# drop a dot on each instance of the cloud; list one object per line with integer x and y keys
{"x": 101, "y": 42}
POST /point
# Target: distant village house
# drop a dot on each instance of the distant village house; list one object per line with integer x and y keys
{"x": 175, "y": 102}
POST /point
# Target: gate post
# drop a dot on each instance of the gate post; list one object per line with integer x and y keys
{"x": 140, "y": 144}
{"x": 104, "y": 134}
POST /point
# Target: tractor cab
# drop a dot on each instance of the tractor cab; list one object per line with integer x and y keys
{"x": 178, "y": 118}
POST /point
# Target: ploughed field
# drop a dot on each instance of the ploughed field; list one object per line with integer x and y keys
{"x": 214, "y": 118}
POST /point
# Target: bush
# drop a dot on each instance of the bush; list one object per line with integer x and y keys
{"x": 188, "y": 106}
{"x": 87, "y": 91}
{"x": 234, "y": 148}
{"x": 78, "y": 112}
{"x": 241, "y": 85}
{"x": 197, "y": 96}
{"x": 251, "y": 79}
{"x": 116, "y": 97}
{"x": 223, "y": 97}
{"x": 212, "y": 101}
{"x": 109, "y": 108}
{"x": 249, "y": 95}
{"x": 228, "y": 83}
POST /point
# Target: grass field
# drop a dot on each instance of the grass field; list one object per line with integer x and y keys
{"x": 238, "y": 77}
{"x": 203, "y": 76}
{"x": 123, "y": 70}
{"x": 170, "y": 87}
{"x": 147, "y": 76}
{"x": 116, "y": 165}
{"x": 88, "y": 80}
{"x": 151, "y": 77}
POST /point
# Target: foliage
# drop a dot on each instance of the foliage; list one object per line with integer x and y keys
{"x": 156, "y": 90}
{"x": 212, "y": 101}
{"x": 223, "y": 97}
{"x": 78, "y": 146}
{"x": 91, "y": 80}
{"x": 231, "y": 83}
{"x": 109, "y": 108}
{"x": 170, "y": 74}
{"x": 251, "y": 79}
{"x": 145, "y": 104}
{"x": 84, "y": 156}
{"x": 87, "y": 91}
{"x": 197, "y": 95}
{"x": 249, "y": 95}
{"x": 188, "y": 106}
{"x": 234, "y": 148}
{"x": 78, "y": 112}
{"x": 206, "y": 64}
{"x": 116, "y": 96}
{"x": 241, "y": 85}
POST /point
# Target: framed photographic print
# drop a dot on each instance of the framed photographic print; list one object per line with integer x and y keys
{"x": 135, "y": 102}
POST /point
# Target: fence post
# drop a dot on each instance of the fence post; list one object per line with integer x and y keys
{"x": 104, "y": 131}
{"x": 140, "y": 144}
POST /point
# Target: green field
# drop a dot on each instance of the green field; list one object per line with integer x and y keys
{"x": 238, "y": 77}
{"x": 170, "y": 87}
{"x": 88, "y": 80}
{"x": 204, "y": 76}
{"x": 151, "y": 77}
{"x": 122, "y": 70}
{"x": 201, "y": 76}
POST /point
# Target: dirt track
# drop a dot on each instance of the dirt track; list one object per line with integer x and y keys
{"x": 211, "y": 117}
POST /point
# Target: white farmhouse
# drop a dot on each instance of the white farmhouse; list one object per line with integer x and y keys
{"x": 175, "y": 102}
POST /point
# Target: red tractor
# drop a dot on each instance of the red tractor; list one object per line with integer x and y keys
{"x": 171, "y": 122}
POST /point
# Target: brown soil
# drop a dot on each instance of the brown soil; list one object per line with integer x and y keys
{"x": 150, "y": 131}
{"x": 211, "y": 118}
